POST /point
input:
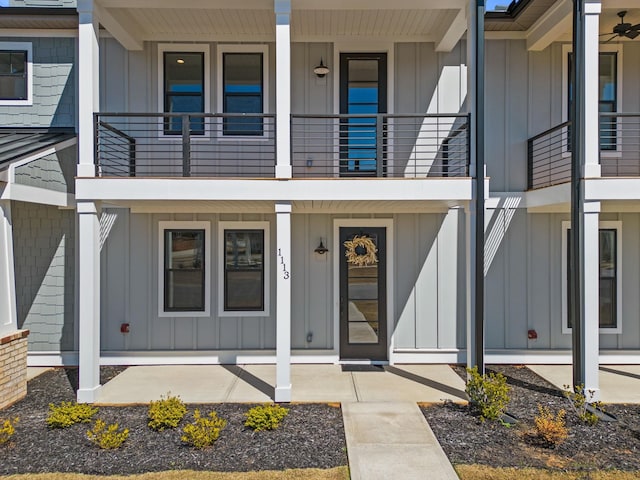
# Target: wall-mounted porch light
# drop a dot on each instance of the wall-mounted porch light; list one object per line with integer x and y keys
{"x": 321, "y": 249}
{"x": 321, "y": 70}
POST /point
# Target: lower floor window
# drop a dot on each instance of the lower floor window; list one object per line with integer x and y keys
{"x": 608, "y": 276}
{"x": 243, "y": 270}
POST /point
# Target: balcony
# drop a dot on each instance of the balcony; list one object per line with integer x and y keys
{"x": 322, "y": 146}
{"x": 549, "y": 153}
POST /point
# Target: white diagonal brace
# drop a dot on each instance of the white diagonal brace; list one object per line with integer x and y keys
{"x": 123, "y": 30}
{"x": 554, "y": 23}
{"x": 453, "y": 33}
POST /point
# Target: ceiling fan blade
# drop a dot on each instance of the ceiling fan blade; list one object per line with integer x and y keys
{"x": 614, "y": 35}
{"x": 632, "y": 34}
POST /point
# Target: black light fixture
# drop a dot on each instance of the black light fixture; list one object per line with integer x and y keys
{"x": 321, "y": 70}
{"x": 321, "y": 249}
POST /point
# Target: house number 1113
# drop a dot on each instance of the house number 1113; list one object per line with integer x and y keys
{"x": 285, "y": 272}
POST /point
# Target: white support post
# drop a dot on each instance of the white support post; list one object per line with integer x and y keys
{"x": 8, "y": 312}
{"x": 283, "y": 88}
{"x": 283, "y": 302}
{"x": 592, "y": 88}
{"x": 591, "y": 271}
{"x": 470, "y": 240}
{"x": 89, "y": 303}
{"x": 88, "y": 92}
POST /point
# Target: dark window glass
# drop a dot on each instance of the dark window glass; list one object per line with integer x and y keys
{"x": 184, "y": 280}
{"x": 13, "y": 75}
{"x": 608, "y": 277}
{"x": 608, "y": 97}
{"x": 243, "y": 92}
{"x": 244, "y": 270}
{"x": 183, "y": 90}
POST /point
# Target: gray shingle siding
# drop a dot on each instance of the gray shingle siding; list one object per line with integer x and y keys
{"x": 54, "y": 172}
{"x": 54, "y": 86}
{"x": 44, "y": 244}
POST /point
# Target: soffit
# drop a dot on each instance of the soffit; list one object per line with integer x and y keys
{"x": 529, "y": 15}
{"x": 38, "y": 21}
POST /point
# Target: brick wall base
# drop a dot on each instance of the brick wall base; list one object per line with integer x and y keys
{"x": 13, "y": 367}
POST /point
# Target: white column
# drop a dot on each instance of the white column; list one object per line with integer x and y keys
{"x": 470, "y": 240}
{"x": 89, "y": 302}
{"x": 283, "y": 88}
{"x": 591, "y": 272}
{"x": 88, "y": 87}
{"x": 283, "y": 302}
{"x": 8, "y": 312}
{"x": 592, "y": 88}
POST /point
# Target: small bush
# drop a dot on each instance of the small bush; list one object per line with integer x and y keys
{"x": 203, "y": 431}
{"x": 69, "y": 413}
{"x": 551, "y": 428}
{"x": 7, "y": 429}
{"x": 579, "y": 399}
{"x": 488, "y": 394}
{"x": 166, "y": 413}
{"x": 107, "y": 436}
{"x": 265, "y": 417}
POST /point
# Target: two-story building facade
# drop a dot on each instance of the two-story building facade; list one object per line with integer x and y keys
{"x": 292, "y": 181}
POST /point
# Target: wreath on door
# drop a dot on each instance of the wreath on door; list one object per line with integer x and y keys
{"x": 361, "y": 251}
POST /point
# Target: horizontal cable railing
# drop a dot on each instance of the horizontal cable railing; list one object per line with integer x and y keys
{"x": 185, "y": 145}
{"x": 380, "y": 145}
{"x": 550, "y": 152}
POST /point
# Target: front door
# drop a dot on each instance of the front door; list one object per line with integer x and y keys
{"x": 363, "y": 294}
{"x": 363, "y": 96}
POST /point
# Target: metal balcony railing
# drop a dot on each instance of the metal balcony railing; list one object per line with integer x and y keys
{"x": 549, "y": 153}
{"x": 382, "y": 145}
{"x": 185, "y": 145}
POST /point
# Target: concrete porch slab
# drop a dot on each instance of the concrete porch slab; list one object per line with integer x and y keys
{"x": 618, "y": 383}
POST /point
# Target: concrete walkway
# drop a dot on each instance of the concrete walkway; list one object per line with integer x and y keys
{"x": 618, "y": 383}
{"x": 392, "y": 440}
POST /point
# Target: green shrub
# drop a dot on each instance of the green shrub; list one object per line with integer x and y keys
{"x": 7, "y": 429}
{"x": 107, "y": 436}
{"x": 203, "y": 431}
{"x": 488, "y": 394}
{"x": 166, "y": 413}
{"x": 69, "y": 413}
{"x": 579, "y": 399}
{"x": 265, "y": 417}
{"x": 551, "y": 428}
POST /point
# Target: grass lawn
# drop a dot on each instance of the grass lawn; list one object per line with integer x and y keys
{"x": 339, "y": 473}
{"x": 482, "y": 472}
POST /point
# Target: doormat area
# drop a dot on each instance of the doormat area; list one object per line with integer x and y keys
{"x": 363, "y": 368}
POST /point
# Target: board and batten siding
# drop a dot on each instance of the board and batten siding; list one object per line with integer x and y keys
{"x": 524, "y": 280}
{"x": 54, "y": 85}
{"x": 428, "y": 285}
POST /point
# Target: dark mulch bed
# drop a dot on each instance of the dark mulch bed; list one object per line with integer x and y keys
{"x": 311, "y": 436}
{"x": 466, "y": 440}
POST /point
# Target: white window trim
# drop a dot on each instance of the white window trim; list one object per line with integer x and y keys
{"x": 617, "y": 225}
{"x": 201, "y": 225}
{"x": 28, "y": 47}
{"x": 244, "y": 48}
{"x": 222, "y": 226}
{"x": 615, "y": 48}
{"x": 184, "y": 47}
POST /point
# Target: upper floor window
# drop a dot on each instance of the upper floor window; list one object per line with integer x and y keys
{"x": 15, "y": 73}
{"x": 243, "y": 81}
{"x": 185, "y": 85}
{"x": 610, "y": 58}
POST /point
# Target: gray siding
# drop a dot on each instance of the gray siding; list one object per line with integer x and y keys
{"x": 54, "y": 172}
{"x": 44, "y": 250}
{"x": 54, "y": 86}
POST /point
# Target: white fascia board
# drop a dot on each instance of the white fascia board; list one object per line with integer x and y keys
{"x": 545, "y": 197}
{"x": 458, "y": 189}
{"x": 554, "y": 23}
{"x": 39, "y": 32}
{"x": 123, "y": 30}
{"x": 453, "y": 33}
{"x": 612, "y": 189}
{"x": 42, "y": 196}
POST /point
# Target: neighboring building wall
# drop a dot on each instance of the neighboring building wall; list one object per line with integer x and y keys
{"x": 54, "y": 172}
{"x": 44, "y": 249}
{"x": 13, "y": 368}
{"x": 54, "y": 86}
